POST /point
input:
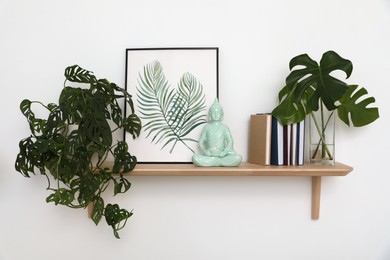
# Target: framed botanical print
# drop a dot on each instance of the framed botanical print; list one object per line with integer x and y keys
{"x": 172, "y": 89}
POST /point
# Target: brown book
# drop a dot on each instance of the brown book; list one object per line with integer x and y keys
{"x": 260, "y": 139}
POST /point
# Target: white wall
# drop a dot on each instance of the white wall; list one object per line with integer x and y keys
{"x": 201, "y": 217}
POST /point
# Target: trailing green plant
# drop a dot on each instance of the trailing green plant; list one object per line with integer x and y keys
{"x": 172, "y": 114}
{"x": 71, "y": 145}
{"x": 311, "y": 87}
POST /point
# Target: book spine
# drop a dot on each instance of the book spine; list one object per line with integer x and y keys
{"x": 287, "y": 145}
{"x": 277, "y": 142}
{"x": 274, "y": 142}
{"x": 301, "y": 143}
{"x": 268, "y": 129}
{"x": 260, "y": 139}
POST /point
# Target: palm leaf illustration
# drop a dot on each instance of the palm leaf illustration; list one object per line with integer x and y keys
{"x": 172, "y": 114}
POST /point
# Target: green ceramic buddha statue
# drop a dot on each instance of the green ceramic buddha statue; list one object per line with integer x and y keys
{"x": 216, "y": 142}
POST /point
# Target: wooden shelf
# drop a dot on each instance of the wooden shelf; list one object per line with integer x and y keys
{"x": 245, "y": 169}
{"x": 248, "y": 169}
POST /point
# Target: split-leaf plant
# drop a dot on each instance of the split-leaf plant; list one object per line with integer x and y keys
{"x": 311, "y": 87}
{"x": 71, "y": 144}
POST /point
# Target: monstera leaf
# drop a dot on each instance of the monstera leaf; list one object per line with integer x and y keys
{"x": 327, "y": 88}
{"x": 289, "y": 111}
{"x": 361, "y": 115}
{"x": 77, "y": 74}
{"x": 310, "y": 84}
{"x": 172, "y": 114}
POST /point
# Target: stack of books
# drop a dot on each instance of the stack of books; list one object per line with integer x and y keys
{"x": 271, "y": 143}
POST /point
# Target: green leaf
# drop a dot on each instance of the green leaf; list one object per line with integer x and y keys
{"x": 123, "y": 160}
{"x": 88, "y": 187}
{"x": 116, "y": 217}
{"x": 133, "y": 125}
{"x": 33, "y": 153}
{"x": 97, "y": 210}
{"x": 289, "y": 111}
{"x": 122, "y": 185}
{"x": 327, "y": 88}
{"x": 23, "y": 163}
{"x": 73, "y": 104}
{"x": 55, "y": 122}
{"x": 116, "y": 113}
{"x": 37, "y": 125}
{"x": 61, "y": 196}
{"x": 97, "y": 130}
{"x": 25, "y": 108}
{"x": 360, "y": 114}
{"x": 77, "y": 74}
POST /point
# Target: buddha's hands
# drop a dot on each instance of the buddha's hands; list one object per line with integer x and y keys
{"x": 226, "y": 152}
{"x": 223, "y": 153}
{"x": 207, "y": 152}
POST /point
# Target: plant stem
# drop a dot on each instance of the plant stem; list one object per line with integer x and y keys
{"x": 179, "y": 139}
{"x": 323, "y": 127}
{"x": 321, "y": 133}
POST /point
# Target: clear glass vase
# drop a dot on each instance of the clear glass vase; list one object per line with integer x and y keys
{"x": 322, "y": 136}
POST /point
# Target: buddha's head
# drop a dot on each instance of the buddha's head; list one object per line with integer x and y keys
{"x": 216, "y": 111}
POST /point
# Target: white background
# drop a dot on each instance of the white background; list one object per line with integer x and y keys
{"x": 201, "y": 217}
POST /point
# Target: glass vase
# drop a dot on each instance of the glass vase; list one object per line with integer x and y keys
{"x": 322, "y": 136}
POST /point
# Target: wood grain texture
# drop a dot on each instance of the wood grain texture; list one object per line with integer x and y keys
{"x": 245, "y": 169}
